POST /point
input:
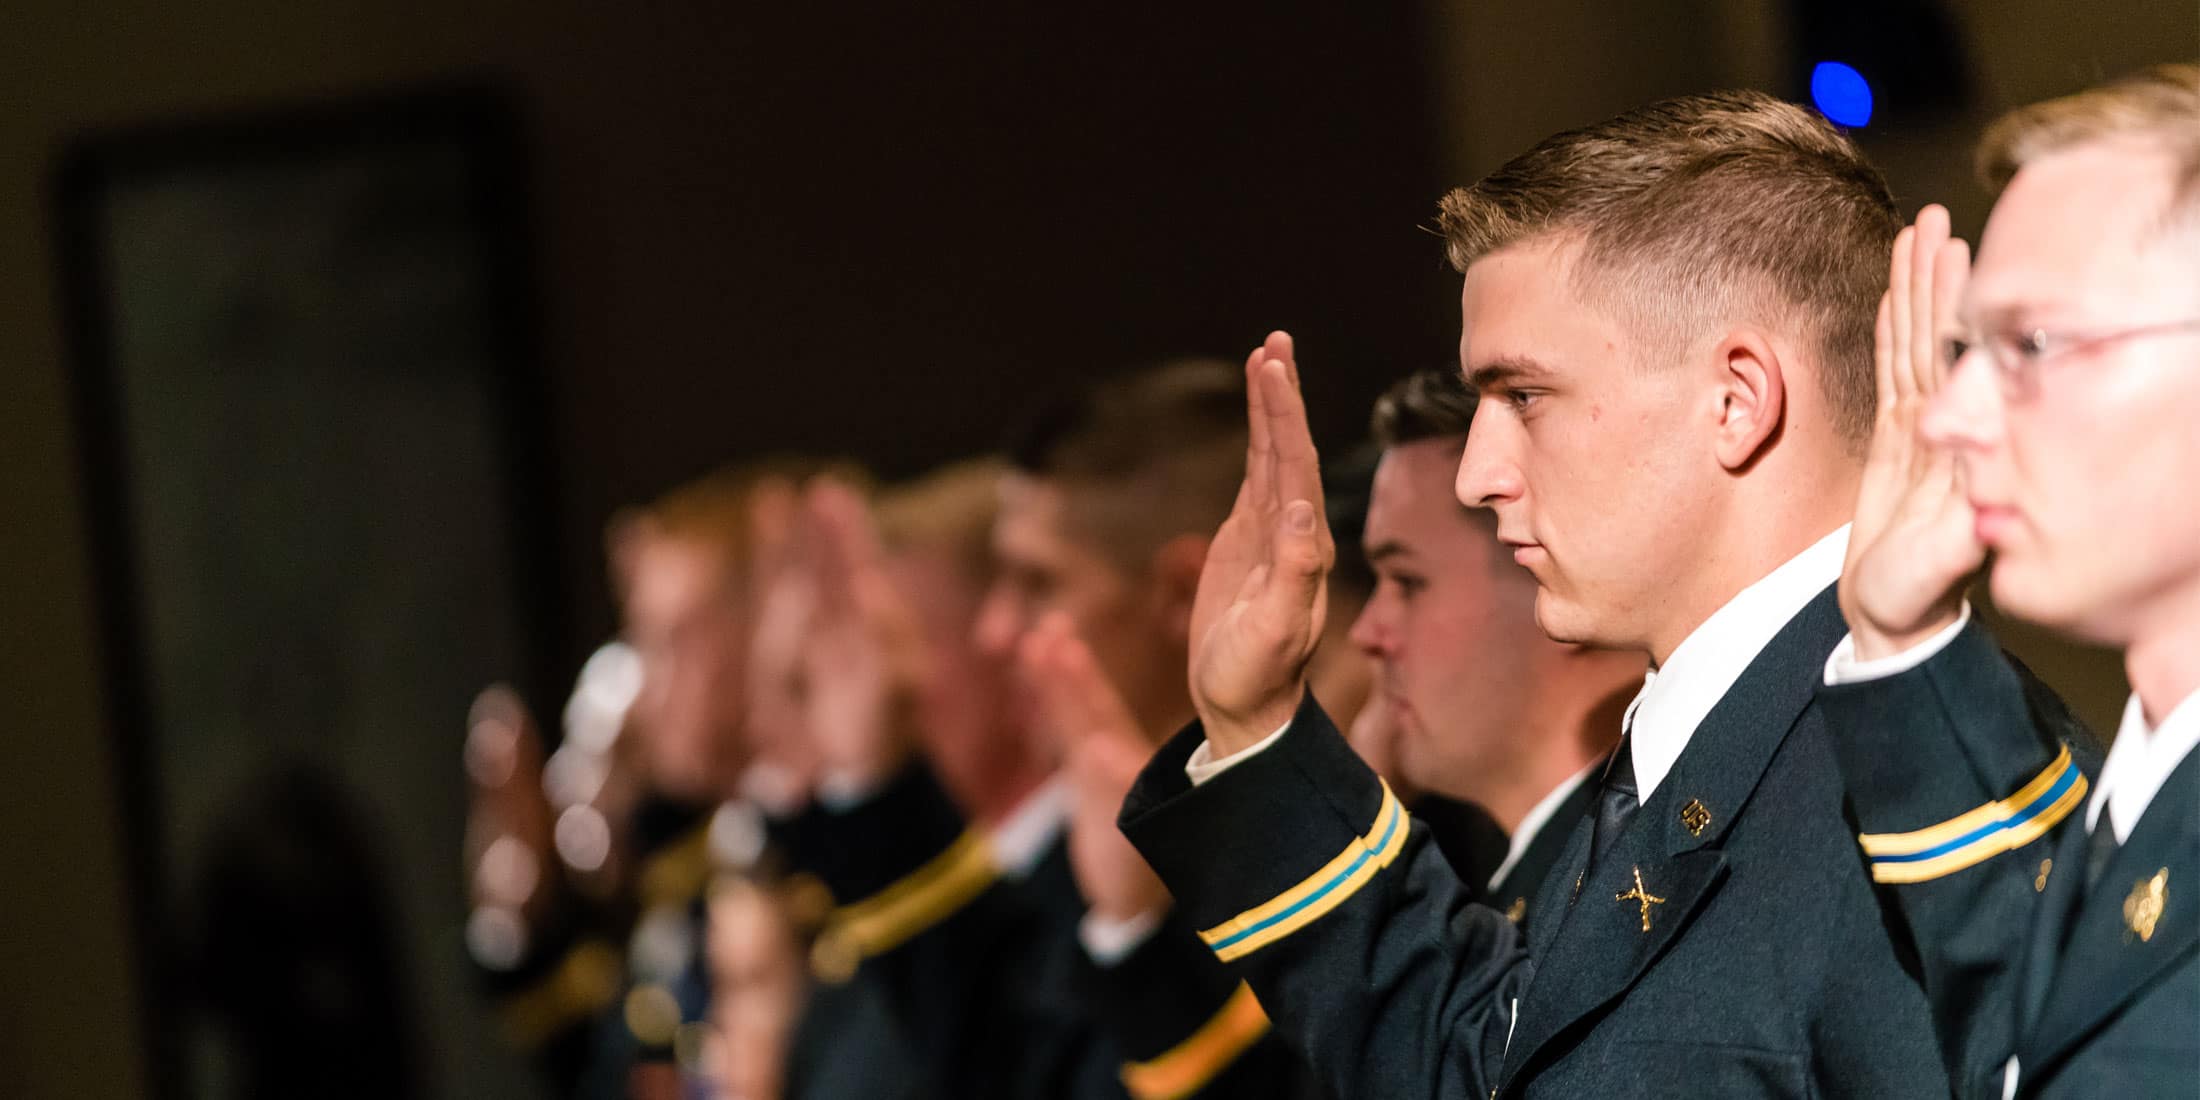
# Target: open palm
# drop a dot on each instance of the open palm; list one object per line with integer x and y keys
{"x": 1262, "y": 595}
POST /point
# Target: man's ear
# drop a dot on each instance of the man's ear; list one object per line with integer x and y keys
{"x": 1175, "y": 572}
{"x": 1752, "y": 392}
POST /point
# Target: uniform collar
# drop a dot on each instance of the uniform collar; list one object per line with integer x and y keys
{"x": 2140, "y": 760}
{"x": 1677, "y": 695}
{"x": 1023, "y": 836}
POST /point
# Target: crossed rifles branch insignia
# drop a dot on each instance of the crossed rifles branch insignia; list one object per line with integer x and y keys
{"x": 1641, "y": 896}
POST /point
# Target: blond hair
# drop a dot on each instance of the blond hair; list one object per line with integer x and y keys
{"x": 712, "y": 511}
{"x": 949, "y": 510}
{"x": 2161, "y": 103}
{"x": 1706, "y": 206}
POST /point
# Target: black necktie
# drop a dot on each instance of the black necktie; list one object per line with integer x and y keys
{"x": 2100, "y": 848}
{"x": 1616, "y": 802}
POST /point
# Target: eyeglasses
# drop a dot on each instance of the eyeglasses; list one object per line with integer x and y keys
{"x": 2018, "y": 355}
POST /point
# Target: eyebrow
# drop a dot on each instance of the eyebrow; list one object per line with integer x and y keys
{"x": 1386, "y": 549}
{"x": 1505, "y": 370}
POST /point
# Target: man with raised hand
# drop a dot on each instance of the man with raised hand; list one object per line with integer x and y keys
{"x": 1668, "y": 319}
{"x": 2039, "y": 408}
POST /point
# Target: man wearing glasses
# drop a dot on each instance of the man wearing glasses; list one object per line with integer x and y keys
{"x": 2044, "y": 408}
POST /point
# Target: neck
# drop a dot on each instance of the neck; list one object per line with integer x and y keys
{"x": 2163, "y": 660}
{"x": 1737, "y": 557}
{"x": 1566, "y": 730}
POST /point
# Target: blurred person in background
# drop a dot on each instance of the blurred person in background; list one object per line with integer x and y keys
{"x": 867, "y": 665}
{"x": 978, "y": 932}
{"x": 1488, "y": 711}
{"x": 2034, "y": 408}
{"x": 586, "y": 866}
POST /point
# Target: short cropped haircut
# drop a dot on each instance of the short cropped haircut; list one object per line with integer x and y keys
{"x": 949, "y": 510}
{"x": 1428, "y": 404}
{"x": 1157, "y": 453}
{"x": 1706, "y": 206}
{"x": 2160, "y": 103}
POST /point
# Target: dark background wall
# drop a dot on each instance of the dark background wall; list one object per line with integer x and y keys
{"x": 874, "y": 229}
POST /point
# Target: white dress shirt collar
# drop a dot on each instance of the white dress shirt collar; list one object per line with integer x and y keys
{"x": 1538, "y": 816}
{"x": 2139, "y": 762}
{"x": 1024, "y": 834}
{"x": 1677, "y": 695}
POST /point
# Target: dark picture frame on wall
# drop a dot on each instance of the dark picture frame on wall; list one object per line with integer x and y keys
{"x": 312, "y": 432}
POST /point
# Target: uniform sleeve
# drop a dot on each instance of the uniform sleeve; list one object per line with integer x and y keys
{"x": 974, "y": 967}
{"x": 1300, "y": 869}
{"x": 1187, "y": 1026}
{"x": 1959, "y": 772}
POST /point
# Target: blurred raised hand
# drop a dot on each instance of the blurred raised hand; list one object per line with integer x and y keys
{"x": 864, "y": 658}
{"x": 783, "y": 584}
{"x": 1914, "y": 546}
{"x": 1262, "y": 595}
{"x": 1102, "y": 750}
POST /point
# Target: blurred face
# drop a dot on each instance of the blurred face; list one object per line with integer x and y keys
{"x": 1048, "y": 563}
{"x": 2080, "y": 469}
{"x": 963, "y": 711}
{"x": 1589, "y": 457}
{"x": 683, "y": 617}
{"x": 1451, "y": 623}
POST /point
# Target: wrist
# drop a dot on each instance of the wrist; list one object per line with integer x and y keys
{"x": 1231, "y": 732}
{"x": 1875, "y": 644}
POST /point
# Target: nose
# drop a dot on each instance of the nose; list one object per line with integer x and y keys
{"x": 1966, "y": 415}
{"x": 1367, "y": 630}
{"x": 998, "y": 625}
{"x": 1488, "y": 476}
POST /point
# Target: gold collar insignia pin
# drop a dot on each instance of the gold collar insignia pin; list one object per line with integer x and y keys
{"x": 2149, "y": 896}
{"x": 1646, "y": 899}
{"x": 1696, "y": 816}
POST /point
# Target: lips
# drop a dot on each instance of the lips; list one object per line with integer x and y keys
{"x": 1524, "y": 553}
{"x": 1991, "y": 523}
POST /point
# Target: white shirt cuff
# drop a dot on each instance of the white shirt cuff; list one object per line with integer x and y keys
{"x": 1109, "y": 941}
{"x": 1844, "y": 668}
{"x": 1203, "y": 766}
{"x": 842, "y": 791}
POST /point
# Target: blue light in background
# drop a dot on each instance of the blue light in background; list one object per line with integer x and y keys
{"x": 1841, "y": 94}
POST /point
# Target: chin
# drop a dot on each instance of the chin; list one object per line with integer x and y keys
{"x": 2060, "y": 602}
{"x": 1562, "y": 620}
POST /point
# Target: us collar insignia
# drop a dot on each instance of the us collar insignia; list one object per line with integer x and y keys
{"x": 1696, "y": 816}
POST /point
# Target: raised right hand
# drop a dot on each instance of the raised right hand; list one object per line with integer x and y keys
{"x": 1262, "y": 595}
{"x": 1102, "y": 752}
{"x": 1914, "y": 547}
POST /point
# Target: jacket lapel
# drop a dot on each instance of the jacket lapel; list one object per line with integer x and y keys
{"x": 1600, "y": 948}
{"x": 2106, "y": 962}
{"x": 2056, "y": 908}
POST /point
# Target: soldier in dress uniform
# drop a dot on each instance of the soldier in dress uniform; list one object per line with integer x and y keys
{"x": 1036, "y": 955}
{"x": 1667, "y": 317}
{"x": 1494, "y": 721}
{"x": 2037, "y": 408}
{"x": 586, "y": 868}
